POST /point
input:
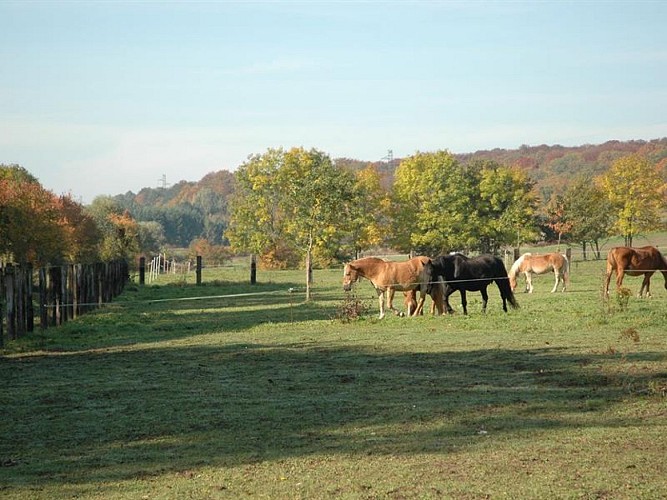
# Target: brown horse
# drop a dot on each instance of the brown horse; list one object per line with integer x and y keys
{"x": 635, "y": 262}
{"x": 530, "y": 263}
{"x": 387, "y": 277}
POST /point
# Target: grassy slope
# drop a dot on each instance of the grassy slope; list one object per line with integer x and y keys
{"x": 264, "y": 396}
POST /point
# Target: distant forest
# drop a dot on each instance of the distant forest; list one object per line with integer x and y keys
{"x": 199, "y": 210}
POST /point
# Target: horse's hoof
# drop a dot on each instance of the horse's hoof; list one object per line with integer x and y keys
{"x": 401, "y": 315}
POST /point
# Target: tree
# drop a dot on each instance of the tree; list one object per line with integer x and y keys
{"x": 369, "y": 219}
{"x": 120, "y": 232}
{"x": 255, "y": 216}
{"x": 588, "y": 210}
{"x": 441, "y": 205}
{"x": 431, "y": 206}
{"x": 82, "y": 236}
{"x": 557, "y": 218}
{"x": 31, "y": 227}
{"x": 635, "y": 191}
{"x": 290, "y": 200}
{"x": 151, "y": 237}
{"x": 507, "y": 206}
{"x": 314, "y": 202}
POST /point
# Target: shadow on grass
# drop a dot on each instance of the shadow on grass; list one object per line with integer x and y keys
{"x": 112, "y": 415}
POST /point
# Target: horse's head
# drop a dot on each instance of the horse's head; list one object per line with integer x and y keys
{"x": 350, "y": 276}
{"x": 515, "y": 269}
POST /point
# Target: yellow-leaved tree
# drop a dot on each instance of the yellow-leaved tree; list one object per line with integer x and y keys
{"x": 636, "y": 192}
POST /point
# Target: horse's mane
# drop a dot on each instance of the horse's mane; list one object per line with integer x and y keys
{"x": 517, "y": 263}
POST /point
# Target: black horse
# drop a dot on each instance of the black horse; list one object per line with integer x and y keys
{"x": 473, "y": 274}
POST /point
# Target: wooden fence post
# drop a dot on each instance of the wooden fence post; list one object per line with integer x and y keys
{"x": 142, "y": 270}
{"x": 568, "y": 254}
{"x": 253, "y": 269}
{"x": 9, "y": 294}
{"x": 30, "y": 309}
{"x": 199, "y": 269}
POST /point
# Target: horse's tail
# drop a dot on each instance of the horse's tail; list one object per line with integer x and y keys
{"x": 504, "y": 286}
{"x": 509, "y": 295}
{"x": 566, "y": 270}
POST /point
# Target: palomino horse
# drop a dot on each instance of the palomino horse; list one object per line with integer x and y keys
{"x": 387, "y": 277}
{"x": 634, "y": 262}
{"x": 530, "y": 263}
{"x": 474, "y": 274}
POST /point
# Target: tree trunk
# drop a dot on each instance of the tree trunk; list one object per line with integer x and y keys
{"x": 309, "y": 266}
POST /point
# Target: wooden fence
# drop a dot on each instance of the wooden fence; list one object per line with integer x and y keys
{"x": 61, "y": 292}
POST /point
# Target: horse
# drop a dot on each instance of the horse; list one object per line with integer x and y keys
{"x": 473, "y": 274}
{"x": 634, "y": 262}
{"x": 530, "y": 263}
{"x": 387, "y": 277}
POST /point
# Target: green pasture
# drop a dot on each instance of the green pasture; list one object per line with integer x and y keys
{"x": 228, "y": 390}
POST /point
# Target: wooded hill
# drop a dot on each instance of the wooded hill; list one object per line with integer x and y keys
{"x": 190, "y": 210}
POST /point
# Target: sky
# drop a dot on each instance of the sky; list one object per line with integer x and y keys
{"x": 102, "y": 98}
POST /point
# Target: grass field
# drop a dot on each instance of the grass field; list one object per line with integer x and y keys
{"x": 228, "y": 390}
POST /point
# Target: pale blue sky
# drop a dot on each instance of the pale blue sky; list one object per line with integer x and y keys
{"x": 106, "y": 97}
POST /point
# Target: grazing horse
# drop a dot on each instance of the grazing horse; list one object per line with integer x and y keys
{"x": 530, "y": 263}
{"x": 387, "y": 277}
{"x": 473, "y": 274}
{"x": 634, "y": 262}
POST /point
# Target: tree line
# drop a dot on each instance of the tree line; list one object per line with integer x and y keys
{"x": 40, "y": 228}
{"x": 294, "y": 206}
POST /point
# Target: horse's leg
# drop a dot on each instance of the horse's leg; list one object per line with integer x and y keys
{"x": 607, "y": 279}
{"x": 445, "y": 299}
{"x": 420, "y": 305}
{"x": 485, "y": 299}
{"x": 557, "y": 276}
{"x": 619, "y": 278}
{"x": 529, "y": 284}
{"x": 646, "y": 284}
{"x": 437, "y": 293}
{"x": 381, "y": 301}
{"x": 464, "y": 301}
{"x": 390, "y": 302}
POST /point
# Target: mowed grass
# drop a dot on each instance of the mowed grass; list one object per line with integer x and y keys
{"x": 228, "y": 390}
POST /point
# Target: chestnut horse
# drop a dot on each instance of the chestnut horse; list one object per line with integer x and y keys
{"x": 387, "y": 277}
{"x": 635, "y": 262}
{"x": 530, "y": 263}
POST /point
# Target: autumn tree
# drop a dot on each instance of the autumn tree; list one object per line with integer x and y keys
{"x": 442, "y": 205}
{"x": 255, "y": 214}
{"x": 296, "y": 198}
{"x": 557, "y": 218}
{"x": 507, "y": 206}
{"x": 31, "y": 228}
{"x": 120, "y": 232}
{"x": 431, "y": 208}
{"x": 82, "y": 236}
{"x": 314, "y": 200}
{"x": 635, "y": 190}
{"x": 589, "y": 213}
{"x": 369, "y": 211}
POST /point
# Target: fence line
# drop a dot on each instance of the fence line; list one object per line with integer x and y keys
{"x": 62, "y": 293}
{"x": 159, "y": 264}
